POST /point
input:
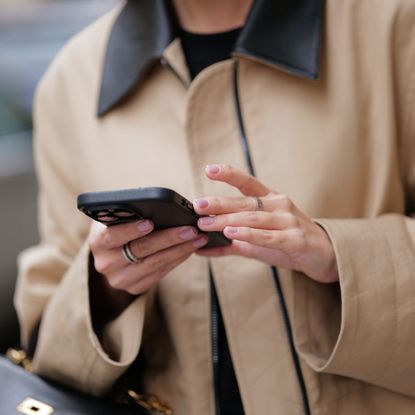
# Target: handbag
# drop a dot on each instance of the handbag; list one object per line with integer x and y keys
{"x": 23, "y": 392}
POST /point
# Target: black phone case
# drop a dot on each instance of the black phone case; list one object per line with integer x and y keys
{"x": 164, "y": 207}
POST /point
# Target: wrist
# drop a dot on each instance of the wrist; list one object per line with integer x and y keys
{"x": 106, "y": 302}
{"x": 330, "y": 272}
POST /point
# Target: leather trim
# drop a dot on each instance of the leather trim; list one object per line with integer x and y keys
{"x": 142, "y": 31}
{"x": 283, "y": 33}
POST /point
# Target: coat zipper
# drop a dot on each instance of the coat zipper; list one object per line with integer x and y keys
{"x": 283, "y": 305}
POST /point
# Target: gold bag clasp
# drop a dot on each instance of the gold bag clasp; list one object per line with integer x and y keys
{"x": 31, "y": 406}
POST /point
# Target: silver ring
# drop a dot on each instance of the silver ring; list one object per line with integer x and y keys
{"x": 128, "y": 254}
{"x": 259, "y": 203}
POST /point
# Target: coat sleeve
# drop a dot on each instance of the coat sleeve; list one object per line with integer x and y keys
{"x": 364, "y": 327}
{"x": 52, "y": 283}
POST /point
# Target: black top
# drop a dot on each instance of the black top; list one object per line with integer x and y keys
{"x": 200, "y": 52}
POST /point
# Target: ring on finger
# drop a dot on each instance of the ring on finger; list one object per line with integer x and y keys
{"x": 128, "y": 254}
{"x": 259, "y": 203}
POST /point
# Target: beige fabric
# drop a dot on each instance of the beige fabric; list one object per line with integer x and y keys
{"x": 341, "y": 147}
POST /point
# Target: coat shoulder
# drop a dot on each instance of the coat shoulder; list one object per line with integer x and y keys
{"x": 373, "y": 9}
{"x": 392, "y": 21}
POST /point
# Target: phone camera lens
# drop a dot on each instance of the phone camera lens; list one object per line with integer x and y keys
{"x": 102, "y": 213}
{"x": 106, "y": 219}
{"x": 120, "y": 213}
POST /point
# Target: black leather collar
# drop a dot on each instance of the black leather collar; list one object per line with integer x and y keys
{"x": 284, "y": 33}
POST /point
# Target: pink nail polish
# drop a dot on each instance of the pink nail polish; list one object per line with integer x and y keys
{"x": 231, "y": 229}
{"x": 187, "y": 234}
{"x": 207, "y": 220}
{"x": 212, "y": 169}
{"x": 198, "y": 243}
{"x": 144, "y": 225}
{"x": 201, "y": 203}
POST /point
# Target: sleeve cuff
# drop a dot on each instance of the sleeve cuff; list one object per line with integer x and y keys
{"x": 74, "y": 355}
{"x": 358, "y": 328}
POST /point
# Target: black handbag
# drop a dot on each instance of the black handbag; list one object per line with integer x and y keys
{"x": 22, "y": 392}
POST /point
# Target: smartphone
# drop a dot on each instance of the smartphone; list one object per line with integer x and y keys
{"x": 164, "y": 207}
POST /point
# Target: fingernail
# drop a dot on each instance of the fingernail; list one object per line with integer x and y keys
{"x": 231, "y": 229}
{"x": 201, "y": 203}
{"x": 207, "y": 220}
{"x": 212, "y": 168}
{"x": 144, "y": 225}
{"x": 198, "y": 243}
{"x": 188, "y": 234}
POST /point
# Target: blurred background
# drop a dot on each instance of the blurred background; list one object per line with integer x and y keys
{"x": 31, "y": 33}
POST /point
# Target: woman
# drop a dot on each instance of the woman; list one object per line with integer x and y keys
{"x": 299, "y": 315}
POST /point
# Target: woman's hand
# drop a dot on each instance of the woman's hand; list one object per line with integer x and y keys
{"x": 157, "y": 252}
{"x": 277, "y": 232}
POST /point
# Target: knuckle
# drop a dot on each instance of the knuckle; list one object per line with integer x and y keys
{"x": 286, "y": 203}
{"x": 93, "y": 242}
{"x": 115, "y": 283}
{"x": 106, "y": 239}
{"x": 293, "y": 221}
{"x": 102, "y": 265}
{"x": 268, "y": 237}
{"x": 273, "y": 199}
{"x": 253, "y": 217}
{"x": 246, "y": 203}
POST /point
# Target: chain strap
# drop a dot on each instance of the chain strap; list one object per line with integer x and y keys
{"x": 150, "y": 403}
{"x": 20, "y": 358}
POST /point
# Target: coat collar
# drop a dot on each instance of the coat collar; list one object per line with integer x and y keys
{"x": 284, "y": 33}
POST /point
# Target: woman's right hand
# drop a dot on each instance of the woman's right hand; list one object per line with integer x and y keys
{"x": 158, "y": 252}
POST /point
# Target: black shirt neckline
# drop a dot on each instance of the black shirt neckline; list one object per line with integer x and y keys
{"x": 203, "y": 50}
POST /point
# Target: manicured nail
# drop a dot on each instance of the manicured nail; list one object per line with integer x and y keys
{"x": 199, "y": 242}
{"x": 206, "y": 220}
{"x": 212, "y": 169}
{"x": 201, "y": 203}
{"x": 188, "y": 234}
{"x": 231, "y": 229}
{"x": 144, "y": 225}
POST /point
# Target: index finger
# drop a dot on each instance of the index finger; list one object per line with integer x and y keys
{"x": 111, "y": 237}
{"x": 248, "y": 185}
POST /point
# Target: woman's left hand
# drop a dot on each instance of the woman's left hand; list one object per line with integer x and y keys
{"x": 266, "y": 226}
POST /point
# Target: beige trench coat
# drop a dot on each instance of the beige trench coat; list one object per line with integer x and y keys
{"x": 342, "y": 147}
